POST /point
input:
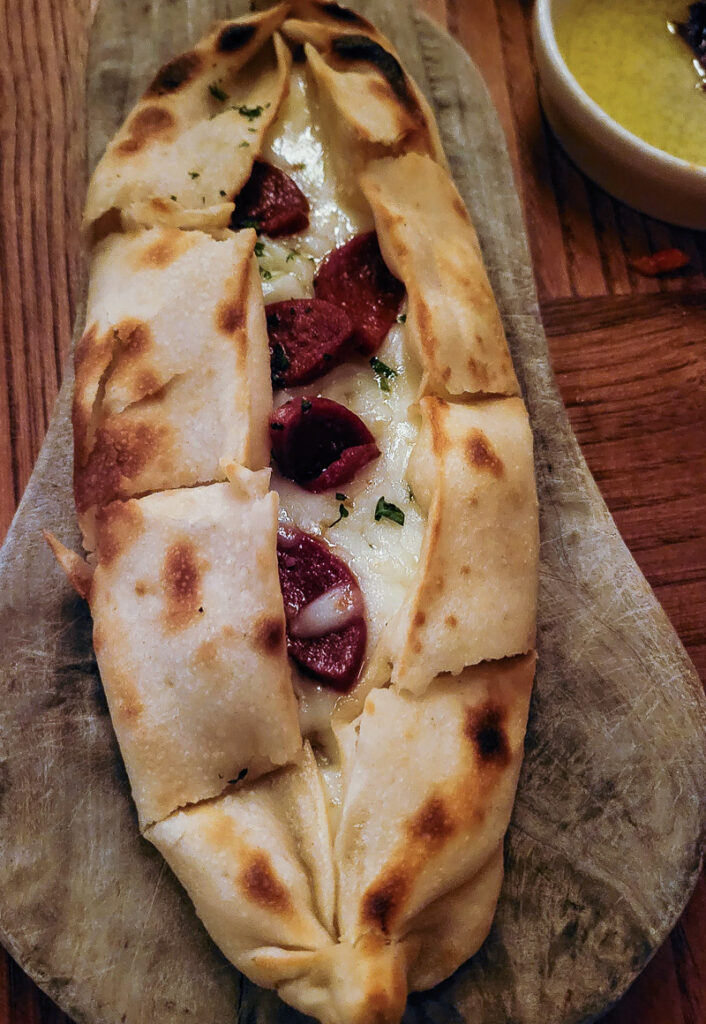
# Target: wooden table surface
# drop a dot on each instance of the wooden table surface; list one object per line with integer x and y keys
{"x": 629, "y": 352}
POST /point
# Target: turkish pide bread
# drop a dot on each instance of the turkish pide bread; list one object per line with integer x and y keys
{"x": 304, "y": 476}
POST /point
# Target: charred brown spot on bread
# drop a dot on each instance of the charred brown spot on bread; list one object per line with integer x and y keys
{"x": 230, "y": 317}
{"x": 481, "y": 455}
{"x": 433, "y": 823}
{"x": 419, "y": 619}
{"x": 360, "y": 47}
{"x": 129, "y": 705}
{"x": 181, "y": 583}
{"x": 451, "y": 621}
{"x": 485, "y": 728}
{"x": 121, "y": 451}
{"x": 383, "y": 900}
{"x": 160, "y": 205}
{"x": 145, "y": 126}
{"x": 465, "y": 570}
{"x": 174, "y": 75}
{"x": 135, "y": 336}
{"x": 268, "y": 634}
{"x": 86, "y": 345}
{"x": 259, "y": 882}
{"x": 459, "y": 207}
{"x": 118, "y": 526}
{"x": 343, "y": 14}
{"x": 234, "y": 37}
{"x": 164, "y": 250}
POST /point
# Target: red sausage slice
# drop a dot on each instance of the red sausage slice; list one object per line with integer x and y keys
{"x": 326, "y": 628}
{"x": 308, "y": 337}
{"x": 272, "y": 202}
{"x": 355, "y": 277}
{"x": 319, "y": 444}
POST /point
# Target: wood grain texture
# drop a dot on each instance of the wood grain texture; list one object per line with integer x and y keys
{"x": 630, "y": 354}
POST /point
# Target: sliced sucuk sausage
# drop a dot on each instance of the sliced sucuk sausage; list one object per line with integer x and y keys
{"x": 272, "y": 202}
{"x": 308, "y": 337}
{"x": 319, "y": 443}
{"x": 325, "y": 611}
{"x": 355, "y": 278}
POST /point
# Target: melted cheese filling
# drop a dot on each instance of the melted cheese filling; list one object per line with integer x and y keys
{"x": 383, "y": 555}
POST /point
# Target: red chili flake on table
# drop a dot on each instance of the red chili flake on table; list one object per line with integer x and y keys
{"x": 355, "y": 278}
{"x": 308, "y": 337}
{"x": 272, "y": 202}
{"x": 661, "y": 262}
{"x": 319, "y": 443}
{"x": 324, "y": 607}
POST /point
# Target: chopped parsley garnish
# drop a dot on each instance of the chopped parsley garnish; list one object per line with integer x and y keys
{"x": 241, "y": 775}
{"x": 217, "y": 92}
{"x": 341, "y": 497}
{"x": 299, "y": 166}
{"x": 290, "y": 255}
{"x": 249, "y": 223}
{"x": 266, "y": 275}
{"x": 193, "y": 174}
{"x": 306, "y": 405}
{"x": 250, "y": 112}
{"x": 259, "y": 249}
{"x": 383, "y": 372}
{"x": 343, "y": 513}
{"x": 173, "y": 198}
{"x": 402, "y": 318}
{"x": 223, "y": 193}
{"x": 243, "y": 144}
{"x": 386, "y": 510}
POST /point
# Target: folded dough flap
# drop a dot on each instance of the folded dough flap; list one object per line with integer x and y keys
{"x": 257, "y": 865}
{"x": 165, "y": 389}
{"x": 474, "y": 597}
{"x": 368, "y": 103}
{"x": 189, "y": 633}
{"x": 427, "y": 240}
{"x": 188, "y": 145}
{"x": 429, "y": 785}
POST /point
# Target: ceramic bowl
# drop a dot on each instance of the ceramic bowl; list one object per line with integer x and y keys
{"x": 644, "y": 177}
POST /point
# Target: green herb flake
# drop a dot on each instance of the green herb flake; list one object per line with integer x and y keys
{"x": 402, "y": 318}
{"x": 249, "y": 223}
{"x": 217, "y": 92}
{"x": 243, "y": 145}
{"x": 290, "y": 255}
{"x": 250, "y": 112}
{"x": 306, "y": 405}
{"x": 386, "y": 510}
{"x": 223, "y": 193}
{"x": 299, "y": 166}
{"x": 383, "y": 373}
{"x": 259, "y": 249}
{"x": 341, "y": 497}
{"x": 173, "y": 198}
{"x": 193, "y": 174}
{"x": 266, "y": 275}
{"x": 343, "y": 513}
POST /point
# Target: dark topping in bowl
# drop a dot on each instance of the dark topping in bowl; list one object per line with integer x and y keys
{"x": 693, "y": 32}
{"x": 319, "y": 443}
{"x": 355, "y": 278}
{"x": 308, "y": 337}
{"x": 271, "y": 200}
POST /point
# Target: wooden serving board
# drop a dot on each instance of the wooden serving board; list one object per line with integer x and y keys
{"x": 606, "y": 837}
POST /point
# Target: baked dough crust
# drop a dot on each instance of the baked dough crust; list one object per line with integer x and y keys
{"x": 342, "y": 895}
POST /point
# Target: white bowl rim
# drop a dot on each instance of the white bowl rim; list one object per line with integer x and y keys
{"x": 545, "y": 26}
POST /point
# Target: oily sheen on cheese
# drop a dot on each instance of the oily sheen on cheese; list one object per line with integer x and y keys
{"x": 321, "y": 707}
{"x": 383, "y": 555}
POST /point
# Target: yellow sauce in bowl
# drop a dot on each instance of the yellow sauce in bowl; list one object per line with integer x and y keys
{"x": 623, "y": 55}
